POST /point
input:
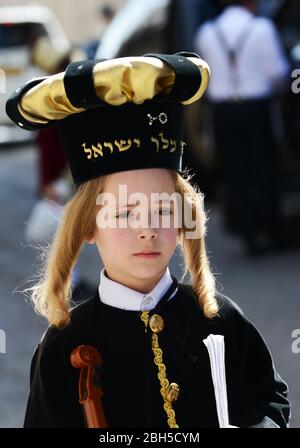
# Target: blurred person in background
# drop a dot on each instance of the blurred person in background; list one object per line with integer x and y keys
{"x": 248, "y": 68}
{"x": 184, "y": 17}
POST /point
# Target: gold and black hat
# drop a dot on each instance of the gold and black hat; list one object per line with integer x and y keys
{"x": 115, "y": 115}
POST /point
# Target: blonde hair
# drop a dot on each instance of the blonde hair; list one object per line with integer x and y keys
{"x": 194, "y": 250}
{"x": 51, "y": 296}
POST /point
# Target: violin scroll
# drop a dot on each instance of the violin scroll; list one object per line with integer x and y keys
{"x": 89, "y": 361}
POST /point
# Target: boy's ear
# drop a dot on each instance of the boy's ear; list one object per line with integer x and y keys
{"x": 90, "y": 238}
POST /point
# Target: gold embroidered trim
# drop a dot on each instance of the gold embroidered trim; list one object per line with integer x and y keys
{"x": 145, "y": 318}
{"x": 164, "y": 382}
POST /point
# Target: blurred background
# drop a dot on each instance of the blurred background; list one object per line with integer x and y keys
{"x": 243, "y": 145}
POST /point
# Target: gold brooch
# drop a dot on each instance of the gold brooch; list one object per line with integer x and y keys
{"x": 156, "y": 323}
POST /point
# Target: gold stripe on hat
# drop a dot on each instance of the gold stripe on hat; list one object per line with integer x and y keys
{"x": 116, "y": 81}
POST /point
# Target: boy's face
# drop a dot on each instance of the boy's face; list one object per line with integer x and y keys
{"x": 123, "y": 231}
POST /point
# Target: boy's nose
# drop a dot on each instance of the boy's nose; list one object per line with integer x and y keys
{"x": 147, "y": 233}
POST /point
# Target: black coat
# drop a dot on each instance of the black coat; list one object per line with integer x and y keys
{"x": 256, "y": 393}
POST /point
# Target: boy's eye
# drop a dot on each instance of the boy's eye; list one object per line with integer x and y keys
{"x": 128, "y": 213}
{"x": 123, "y": 214}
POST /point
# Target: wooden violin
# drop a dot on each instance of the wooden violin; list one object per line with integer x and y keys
{"x": 89, "y": 361}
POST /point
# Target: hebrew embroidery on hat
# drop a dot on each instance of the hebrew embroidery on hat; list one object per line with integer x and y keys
{"x": 165, "y": 143}
{"x": 161, "y": 143}
{"x": 122, "y": 145}
{"x": 162, "y": 118}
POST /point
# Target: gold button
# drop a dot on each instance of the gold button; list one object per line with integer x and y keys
{"x": 172, "y": 392}
{"x": 156, "y": 323}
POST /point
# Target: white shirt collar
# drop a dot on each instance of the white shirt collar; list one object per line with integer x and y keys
{"x": 119, "y": 296}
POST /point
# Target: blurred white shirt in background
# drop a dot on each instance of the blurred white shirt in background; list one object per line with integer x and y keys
{"x": 260, "y": 61}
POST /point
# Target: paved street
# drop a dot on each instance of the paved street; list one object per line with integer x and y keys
{"x": 267, "y": 289}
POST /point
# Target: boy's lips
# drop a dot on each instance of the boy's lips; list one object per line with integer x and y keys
{"x": 148, "y": 254}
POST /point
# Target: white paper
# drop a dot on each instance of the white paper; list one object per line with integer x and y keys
{"x": 216, "y": 350}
